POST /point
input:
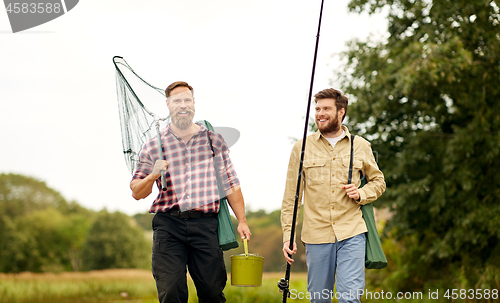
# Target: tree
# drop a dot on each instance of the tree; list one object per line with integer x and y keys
{"x": 427, "y": 98}
{"x": 144, "y": 220}
{"x": 20, "y": 195}
{"x": 39, "y": 230}
{"x": 115, "y": 242}
{"x": 43, "y": 241}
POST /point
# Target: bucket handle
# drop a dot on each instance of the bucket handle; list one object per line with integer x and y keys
{"x": 245, "y": 245}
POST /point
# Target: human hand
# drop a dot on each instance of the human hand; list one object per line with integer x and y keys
{"x": 159, "y": 166}
{"x": 287, "y": 252}
{"x": 352, "y": 191}
{"x": 244, "y": 231}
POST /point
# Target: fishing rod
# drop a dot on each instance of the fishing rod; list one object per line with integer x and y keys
{"x": 284, "y": 283}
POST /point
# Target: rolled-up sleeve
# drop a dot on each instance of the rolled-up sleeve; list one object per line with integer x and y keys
{"x": 145, "y": 163}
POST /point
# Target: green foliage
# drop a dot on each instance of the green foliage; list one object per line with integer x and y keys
{"x": 44, "y": 241}
{"x": 20, "y": 195}
{"x": 427, "y": 98}
{"x": 267, "y": 241}
{"x": 114, "y": 241}
{"x": 39, "y": 230}
{"x": 144, "y": 220}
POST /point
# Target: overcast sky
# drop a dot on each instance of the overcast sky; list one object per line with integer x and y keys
{"x": 249, "y": 62}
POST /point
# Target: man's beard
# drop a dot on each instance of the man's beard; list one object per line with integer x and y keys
{"x": 183, "y": 122}
{"x": 333, "y": 126}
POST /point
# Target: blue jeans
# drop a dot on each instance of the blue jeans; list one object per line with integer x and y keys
{"x": 347, "y": 259}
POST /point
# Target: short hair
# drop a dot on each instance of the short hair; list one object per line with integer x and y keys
{"x": 176, "y": 84}
{"x": 331, "y": 93}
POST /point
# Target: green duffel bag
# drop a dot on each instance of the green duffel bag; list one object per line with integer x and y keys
{"x": 227, "y": 237}
{"x": 374, "y": 256}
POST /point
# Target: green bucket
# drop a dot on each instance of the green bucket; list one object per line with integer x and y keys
{"x": 246, "y": 269}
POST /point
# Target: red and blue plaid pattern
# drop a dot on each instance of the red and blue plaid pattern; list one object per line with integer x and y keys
{"x": 191, "y": 181}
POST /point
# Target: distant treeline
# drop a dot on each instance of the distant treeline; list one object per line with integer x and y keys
{"x": 42, "y": 232}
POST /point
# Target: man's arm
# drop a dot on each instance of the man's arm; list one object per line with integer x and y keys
{"x": 235, "y": 200}
{"x": 288, "y": 203}
{"x": 231, "y": 186}
{"x": 141, "y": 188}
{"x": 375, "y": 185}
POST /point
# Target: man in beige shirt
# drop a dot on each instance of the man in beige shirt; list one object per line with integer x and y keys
{"x": 333, "y": 230}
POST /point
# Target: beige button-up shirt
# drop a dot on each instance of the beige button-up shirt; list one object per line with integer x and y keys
{"x": 328, "y": 212}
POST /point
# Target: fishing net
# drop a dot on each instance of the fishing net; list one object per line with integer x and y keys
{"x": 143, "y": 111}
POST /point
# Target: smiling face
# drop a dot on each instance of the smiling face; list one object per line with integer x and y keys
{"x": 181, "y": 106}
{"x": 328, "y": 118}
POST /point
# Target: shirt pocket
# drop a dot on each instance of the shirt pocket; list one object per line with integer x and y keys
{"x": 357, "y": 166}
{"x": 315, "y": 171}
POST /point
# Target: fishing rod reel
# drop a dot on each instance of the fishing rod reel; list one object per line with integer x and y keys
{"x": 283, "y": 286}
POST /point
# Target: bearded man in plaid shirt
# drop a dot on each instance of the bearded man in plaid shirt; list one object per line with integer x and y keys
{"x": 185, "y": 224}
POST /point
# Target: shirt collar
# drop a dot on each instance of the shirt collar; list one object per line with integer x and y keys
{"x": 202, "y": 129}
{"x": 168, "y": 130}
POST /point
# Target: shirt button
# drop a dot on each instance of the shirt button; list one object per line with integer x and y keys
{"x": 333, "y": 191}
{"x": 333, "y": 223}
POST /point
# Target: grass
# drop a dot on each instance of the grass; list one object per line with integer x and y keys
{"x": 125, "y": 286}
{"x": 94, "y": 286}
{"x": 138, "y": 286}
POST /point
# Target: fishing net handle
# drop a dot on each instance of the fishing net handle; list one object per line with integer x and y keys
{"x": 160, "y": 154}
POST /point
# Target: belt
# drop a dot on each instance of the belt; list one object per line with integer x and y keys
{"x": 189, "y": 214}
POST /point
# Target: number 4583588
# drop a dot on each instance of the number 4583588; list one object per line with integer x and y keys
{"x": 34, "y": 8}
{"x": 471, "y": 294}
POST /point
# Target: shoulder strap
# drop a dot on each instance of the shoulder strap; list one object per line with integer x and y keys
{"x": 210, "y": 128}
{"x": 349, "y": 178}
{"x": 207, "y": 125}
{"x": 216, "y": 166}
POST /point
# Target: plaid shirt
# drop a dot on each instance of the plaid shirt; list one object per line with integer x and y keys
{"x": 190, "y": 175}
